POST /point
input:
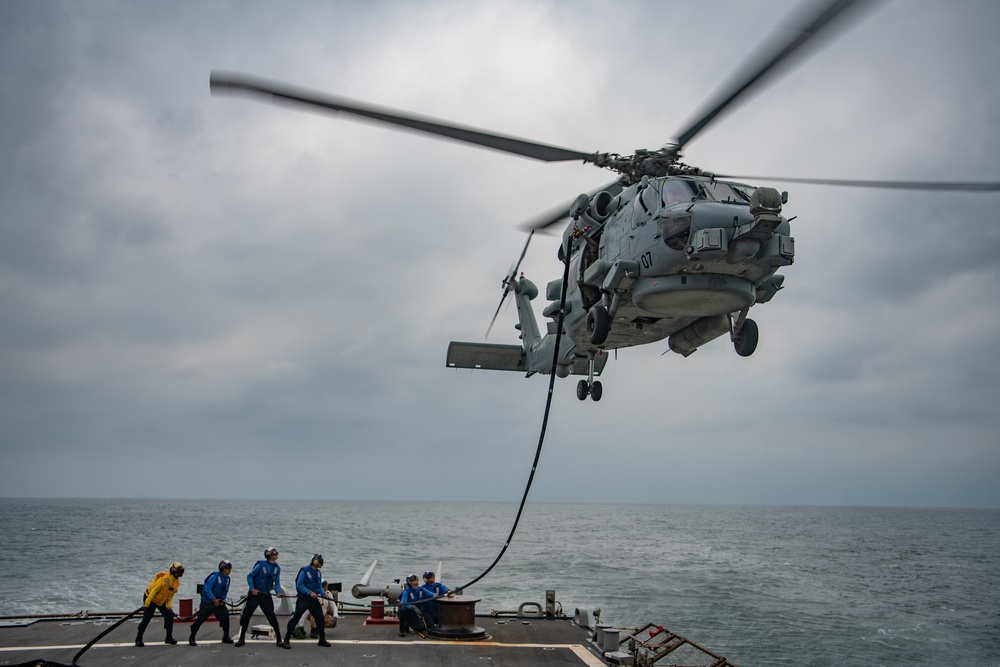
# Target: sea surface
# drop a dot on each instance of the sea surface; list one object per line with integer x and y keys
{"x": 759, "y": 585}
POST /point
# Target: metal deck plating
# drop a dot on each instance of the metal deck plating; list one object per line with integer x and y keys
{"x": 509, "y": 641}
{"x": 525, "y": 637}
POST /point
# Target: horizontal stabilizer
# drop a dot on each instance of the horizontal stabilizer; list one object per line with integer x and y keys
{"x": 487, "y": 356}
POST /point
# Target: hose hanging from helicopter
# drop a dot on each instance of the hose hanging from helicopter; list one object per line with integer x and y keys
{"x": 545, "y": 415}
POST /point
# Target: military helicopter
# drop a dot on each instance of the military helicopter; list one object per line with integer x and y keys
{"x": 667, "y": 250}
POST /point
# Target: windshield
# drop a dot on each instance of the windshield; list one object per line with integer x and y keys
{"x": 675, "y": 191}
{"x": 726, "y": 193}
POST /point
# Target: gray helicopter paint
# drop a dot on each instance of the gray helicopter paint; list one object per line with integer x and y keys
{"x": 660, "y": 290}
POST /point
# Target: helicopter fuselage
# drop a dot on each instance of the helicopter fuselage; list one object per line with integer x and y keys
{"x": 680, "y": 257}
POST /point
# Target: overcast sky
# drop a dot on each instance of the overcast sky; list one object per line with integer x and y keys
{"x": 213, "y": 297}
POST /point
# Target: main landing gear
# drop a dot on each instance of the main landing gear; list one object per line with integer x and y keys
{"x": 598, "y": 324}
{"x": 590, "y": 386}
{"x": 745, "y": 335}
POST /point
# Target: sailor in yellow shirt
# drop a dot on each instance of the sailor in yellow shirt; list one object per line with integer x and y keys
{"x": 160, "y": 595}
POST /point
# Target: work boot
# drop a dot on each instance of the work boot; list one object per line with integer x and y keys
{"x": 191, "y": 641}
{"x": 227, "y": 639}
{"x": 323, "y": 642}
{"x": 138, "y": 641}
{"x": 239, "y": 642}
{"x": 282, "y": 644}
{"x": 313, "y": 635}
{"x": 287, "y": 643}
{"x": 170, "y": 640}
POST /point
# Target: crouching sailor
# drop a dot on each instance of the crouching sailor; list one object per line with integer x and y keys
{"x": 263, "y": 578}
{"x": 213, "y": 601}
{"x": 159, "y": 596}
{"x": 309, "y": 586}
{"x": 436, "y": 589}
{"x": 412, "y": 607}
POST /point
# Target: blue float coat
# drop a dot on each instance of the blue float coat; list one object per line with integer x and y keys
{"x": 265, "y": 577}
{"x": 436, "y": 589}
{"x": 310, "y": 580}
{"x": 413, "y": 595}
{"x": 216, "y": 587}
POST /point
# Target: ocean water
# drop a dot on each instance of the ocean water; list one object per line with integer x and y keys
{"x": 759, "y": 585}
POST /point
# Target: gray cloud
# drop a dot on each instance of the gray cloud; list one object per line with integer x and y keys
{"x": 190, "y": 279}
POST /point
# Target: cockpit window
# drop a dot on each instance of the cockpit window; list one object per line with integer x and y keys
{"x": 659, "y": 194}
{"x": 742, "y": 191}
{"x": 726, "y": 193}
{"x": 675, "y": 191}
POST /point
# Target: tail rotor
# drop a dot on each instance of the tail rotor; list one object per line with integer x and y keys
{"x": 510, "y": 282}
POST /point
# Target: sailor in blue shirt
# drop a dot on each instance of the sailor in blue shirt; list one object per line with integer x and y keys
{"x": 213, "y": 601}
{"x": 436, "y": 590}
{"x": 411, "y": 610}
{"x": 309, "y": 587}
{"x": 263, "y": 578}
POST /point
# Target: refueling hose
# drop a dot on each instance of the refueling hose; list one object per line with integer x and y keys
{"x": 94, "y": 640}
{"x": 545, "y": 423}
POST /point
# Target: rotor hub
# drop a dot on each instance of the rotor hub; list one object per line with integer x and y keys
{"x": 653, "y": 163}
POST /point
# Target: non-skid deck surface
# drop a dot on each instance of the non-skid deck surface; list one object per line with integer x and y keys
{"x": 511, "y": 641}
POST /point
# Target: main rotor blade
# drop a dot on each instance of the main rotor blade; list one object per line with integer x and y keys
{"x": 940, "y": 186}
{"x": 508, "y": 285}
{"x": 559, "y": 213}
{"x": 799, "y": 33}
{"x": 221, "y": 83}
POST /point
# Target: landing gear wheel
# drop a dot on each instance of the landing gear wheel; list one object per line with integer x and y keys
{"x": 596, "y": 391}
{"x": 582, "y": 390}
{"x": 746, "y": 340}
{"x": 598, "y": 324}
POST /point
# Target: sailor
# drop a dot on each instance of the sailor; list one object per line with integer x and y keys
{"x": 410, "y": 616}
{"x": 329, "y": 612}
{"x": 213, "y": 601}
{"x": 436, "y": 589}
{"x": 263, "y": 578}
{"x": 160, "y": 595}
{"x": 309, "y": 587}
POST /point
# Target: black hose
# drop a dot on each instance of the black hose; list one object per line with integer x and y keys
{"x": 95, "y": 639}
{"x": 545, "y": 422}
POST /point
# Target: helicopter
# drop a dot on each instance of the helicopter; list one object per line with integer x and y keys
{"x": 666, "y": 251}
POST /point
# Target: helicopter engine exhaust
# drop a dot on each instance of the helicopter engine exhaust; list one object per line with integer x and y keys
{"x": 690, "y": 338}
{"x": 601, "y": 206}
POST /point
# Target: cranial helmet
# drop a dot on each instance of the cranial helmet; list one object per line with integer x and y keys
{"x": 176, "y": 569}
{"x": 317, "y": 559}
{"x": 225, "y": 565}
{"x": 270, "y": 552}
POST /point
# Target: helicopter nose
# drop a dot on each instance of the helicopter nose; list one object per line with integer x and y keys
{"x": 693, "y": 295}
